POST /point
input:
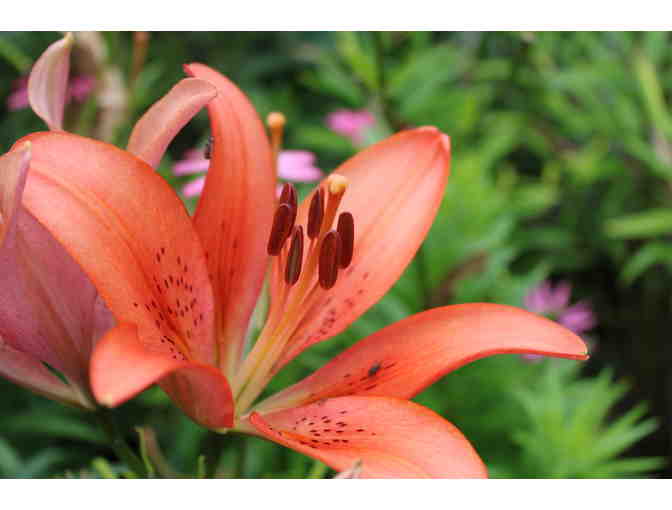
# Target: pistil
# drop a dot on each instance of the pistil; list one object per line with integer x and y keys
{"x": 276, "y": 125}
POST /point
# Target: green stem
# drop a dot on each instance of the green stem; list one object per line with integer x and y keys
{"x": 213, "y": 448}
{"x": 241, "y": 461}
{"x": 423, "y": 277}
{"x": 318, "y": 470}
{"x": 392, "y": 121}
{"x": 119, "y": 444}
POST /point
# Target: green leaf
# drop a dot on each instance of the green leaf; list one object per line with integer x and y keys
{"x": 10, "y": 463}
{"x": 653, "y": 222}
{"x": 648, "y": 255}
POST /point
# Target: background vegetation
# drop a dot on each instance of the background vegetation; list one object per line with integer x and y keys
{"x": 562, "y": 170}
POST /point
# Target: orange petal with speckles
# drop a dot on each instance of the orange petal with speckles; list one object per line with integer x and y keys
{"x": 395, "y": 188}
{"x": 159, "y": 125}
{"x": 131, "y": 235}
{"x": 406, "y": 357}
{"x": 121, "y": 367}
{"x": 235, "y": 211}
{"x": 393, "y": 438}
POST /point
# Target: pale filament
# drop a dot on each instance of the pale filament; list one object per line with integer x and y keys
{"x": 293, "y": 300}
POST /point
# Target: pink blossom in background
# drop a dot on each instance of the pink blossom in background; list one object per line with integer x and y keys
{"x": 19, "y": 98}
{"x": 350, "y": 123}
{"x": 553, "y": 302}
{"x": 293, "y": 165}
{"x": 298, "y": 166}
{"x": 79, "y": 88}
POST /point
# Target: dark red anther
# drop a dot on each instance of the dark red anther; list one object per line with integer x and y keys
{"x": 288, "y": 196}
{"x": 282, "y": 225}
{"x": 329, "y": 257}
{"x": 346, "y": 229}
{"x": 315, "y": 214}
{"x": 295, "y": 257}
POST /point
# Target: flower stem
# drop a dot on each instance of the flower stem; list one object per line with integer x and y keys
{"x": 424, "y": 287}
{"x": 119, "y": 444}
{"x": 383, "y": 97}
{"x": 241, "y": 461}
{"x": 215, "y": 443}
{"x": 318, "y": 470}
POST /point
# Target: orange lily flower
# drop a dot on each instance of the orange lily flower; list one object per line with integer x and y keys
{"x": 183, "y": 290}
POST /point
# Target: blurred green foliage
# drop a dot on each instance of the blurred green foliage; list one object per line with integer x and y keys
{"x": 562, "y": 168}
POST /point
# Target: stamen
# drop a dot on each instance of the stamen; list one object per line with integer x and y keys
{"x": 346, "y": 231}
{"x": 276, "y": 124}
{"x": 337, "y": 184}
{"x": 329, "y": 257}
{"x": 295, "y": 257}
{"x": 208, "y": 147}
{"x": 282, "y": 225}
{"x": 316, "y": 214}
{"x": 288, "y": 196}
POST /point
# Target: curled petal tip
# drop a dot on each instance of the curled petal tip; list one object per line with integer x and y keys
{"x": 48, "y": 81}
{"x": 159, "y": 125}
{"x": 69, "y": 40}
{"x": 445, "y": 141}
{"x": 106, "y": 400}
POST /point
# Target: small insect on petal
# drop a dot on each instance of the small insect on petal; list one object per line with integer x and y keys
{"x": 295, "y": 257}
{"x": 329, "y": 257}
{"x": 346, "y": 230}
{"x": 282, "y": 225}
{"x": 374, "y": 369}
{"x": 208, "y": 147}
{"x": 316, "y": 214}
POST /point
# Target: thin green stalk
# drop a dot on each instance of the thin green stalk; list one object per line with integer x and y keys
{"x": 119, "y": 444}
{"x": 241, "y": 461}
{"x": 318, "y": 470}
{"x": 383, "y": 98}
{"x": 424, "y": 286}
{"x": 393, "y": 122}
{"x": 213, "y": 448}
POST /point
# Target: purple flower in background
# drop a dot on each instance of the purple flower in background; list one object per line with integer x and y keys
{"x": 553, "y": 302}
{"x": 350, "y": 123}
{"x": 293, "y": 165}
{"x": 79, "y": 89}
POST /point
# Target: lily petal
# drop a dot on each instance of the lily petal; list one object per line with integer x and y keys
{"x": 235, "y": 211}
{"x": 26, "y": 370}
{"x": 48, "y": 82}
{"x": 13, "y": 170}
{"x": 121, "y": 367}
{"x": 143, "y": 255}
{"x": 395, "y": 189}
{"x": 393, "y": 438}
{"x": 406, "y": 357}
{"x": 159, "y": 125}
{"x": 49, "y": 309}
